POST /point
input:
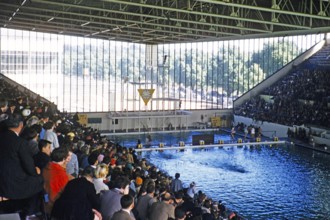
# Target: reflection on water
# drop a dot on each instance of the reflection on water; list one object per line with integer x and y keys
{"x": 282, "y": 182}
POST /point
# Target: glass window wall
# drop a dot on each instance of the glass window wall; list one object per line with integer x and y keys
{"x": 94, "y": 75}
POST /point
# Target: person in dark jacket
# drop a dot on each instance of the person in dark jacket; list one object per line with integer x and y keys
{"x": 42, "y": 158}
{"x": 20, "y": 182}
{"x": 78, "y": 200}
{"x": 127, "y": 204}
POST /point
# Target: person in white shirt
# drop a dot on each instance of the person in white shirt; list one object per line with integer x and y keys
{"x": 191, "y": 191}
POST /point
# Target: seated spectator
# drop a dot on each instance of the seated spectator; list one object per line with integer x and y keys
{"x": 78, "y": 201}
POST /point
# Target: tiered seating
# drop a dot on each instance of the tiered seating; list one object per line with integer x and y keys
{"x": 94, "y": 150}
{"x": 301, "y": 97}
{"x": 321, "y": 58}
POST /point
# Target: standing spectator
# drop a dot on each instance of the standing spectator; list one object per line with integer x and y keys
{"x": 176, "y": 184}
{"x": 3, "y": 106}
{"x": 232, "y": 133}
{"x": 246, "y": 131}
{"x": 191, "y": 190}
{"x": 31, "y": 135}
{"x": 78, "y": 200}
{"x": 12, "y": 108}
{"x": 179, "y": 214}
{"x": 43, "y": 120}
{"x": 127, "y": 204}
{"x": 253, "y": 132}
{"x": 55, "y": 175}
{"x": 110, "y": 199}
{"x": 42, "y": 158}
{"x": 101, "y": 173}
{"x": 162, "y": 210}
{"x": 50, "y": 135}
{"x": 144, "y": 202}
{"x": 72, "y": 166}
{"x": 20, "y": 184}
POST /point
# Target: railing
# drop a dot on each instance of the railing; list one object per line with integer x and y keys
{"x": 210, "y": 146}
{"x": 274, "y": 133}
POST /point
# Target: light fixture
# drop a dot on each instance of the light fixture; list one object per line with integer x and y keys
{"x": 233, "y": 14}
{"x": 50, "y": 19}
{"x": 239, "y": 24}
{"x": 276, "y": 6}
{"x": 148, "y": 32}
{"x": 322, "y": 13}
{"x": 211, "y": 28}
{"x": 158, "y": 28}
{"x": 189, "y": 32}
{"x": 178, "y": 24}
{"x": 105, "y": 31}
{"x": 275, "y": 20}
{"x": 95, "y": 33}
{"x": 84, "y": 24}
{"x": 202, "y": 20}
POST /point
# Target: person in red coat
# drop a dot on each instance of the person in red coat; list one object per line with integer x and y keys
{"x": 55, "y": 175}
{"x": 78, "y": 201}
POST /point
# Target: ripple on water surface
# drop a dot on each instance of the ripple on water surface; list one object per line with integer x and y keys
{"x": 281, "y": 182}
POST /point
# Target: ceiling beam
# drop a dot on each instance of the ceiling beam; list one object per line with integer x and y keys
{"x": 270, "y": 10}
{"x": 203, "y": 14}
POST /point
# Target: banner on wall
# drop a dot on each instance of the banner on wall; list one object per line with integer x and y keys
{"x": 146, "y": 94}
{"x": 215, "y": 122}
{"x": 83, "y": 118}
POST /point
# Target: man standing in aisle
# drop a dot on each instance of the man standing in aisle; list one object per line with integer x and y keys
{"x": 20, "y": 182}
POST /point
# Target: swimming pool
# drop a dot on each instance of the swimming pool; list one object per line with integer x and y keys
{"x": 278, "y": 182}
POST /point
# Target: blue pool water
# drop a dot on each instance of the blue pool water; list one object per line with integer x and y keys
{"x": 278, "y": 182}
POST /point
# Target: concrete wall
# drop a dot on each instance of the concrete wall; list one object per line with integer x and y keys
{"x": 132, "y": 120}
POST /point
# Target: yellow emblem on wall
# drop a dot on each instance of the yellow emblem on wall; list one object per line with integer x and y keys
{"x": 146, "y": 94}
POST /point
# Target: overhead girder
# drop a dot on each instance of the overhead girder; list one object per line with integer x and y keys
{"x": 173, "y": 21}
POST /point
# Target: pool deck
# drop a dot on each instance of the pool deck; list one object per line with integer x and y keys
{"x": 226, "y": 130}
{"x": 294, "y": 141}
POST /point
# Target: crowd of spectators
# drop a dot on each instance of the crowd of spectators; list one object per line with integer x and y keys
{"x": 299, "y": 98}
{"x": 53, "y": 168}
